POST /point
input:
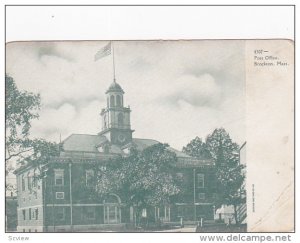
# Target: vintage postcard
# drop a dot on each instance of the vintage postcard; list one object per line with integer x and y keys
{"x": 150, "y": 136}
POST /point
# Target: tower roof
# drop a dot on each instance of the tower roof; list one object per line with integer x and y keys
{"x": 115, "y": 87}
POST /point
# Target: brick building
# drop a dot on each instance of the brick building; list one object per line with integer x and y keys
{"x": 64, "y": 199}
{"x": 11, "y": 205}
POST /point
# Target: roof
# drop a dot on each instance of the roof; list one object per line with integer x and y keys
{"x": 142, "y": 143}
{"x": 115, "y": 87}
{"x": 83, "y": 142}
{"x": 79, "y": 144}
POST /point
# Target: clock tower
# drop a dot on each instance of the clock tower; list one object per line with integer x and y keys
{"x": 116, "y": 117}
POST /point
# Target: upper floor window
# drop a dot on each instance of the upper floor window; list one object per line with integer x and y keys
{"x": 34, "y": 179}
{"x": 24, "y": 214}
{"x": 23, "y": 182}
{"x": 200, "y": 180}
{"x": 60, "y": 195}
{"x": 89, "y": 177}
{"x": 59, "y": 177}
{"x": 29, "y": 181}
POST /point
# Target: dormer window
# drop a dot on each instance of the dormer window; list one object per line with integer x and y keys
{"x": 104, "y": 148}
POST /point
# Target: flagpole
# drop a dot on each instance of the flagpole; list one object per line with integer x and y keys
{"x": 113, "y": 54}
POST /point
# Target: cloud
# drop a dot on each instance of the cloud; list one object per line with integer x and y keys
{"x": 51, "y": 49}
{"x": 197, "y": 91}
{"x": 176, "y": 89}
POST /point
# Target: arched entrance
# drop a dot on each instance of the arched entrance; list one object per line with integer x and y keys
{"x": 112, "y": 209}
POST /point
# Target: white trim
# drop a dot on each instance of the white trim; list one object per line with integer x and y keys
{"x": 190, "y": 204}
{"x": 79, "y": 204}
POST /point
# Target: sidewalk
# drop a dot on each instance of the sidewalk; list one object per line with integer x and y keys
{"x": 185, "y": 229}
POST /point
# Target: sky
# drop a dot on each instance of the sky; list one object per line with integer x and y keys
{"x": 177, "y": 90}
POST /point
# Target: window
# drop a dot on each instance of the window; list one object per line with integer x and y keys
{"x": 112, "y": 101}
{"x": 34, "y": 179}
{"x": 89, "y": 177}
{"x": 60, "y": 195}
{"x": 60, "y": 212}
{"x": 24, "y": 214}
{"x": 201, "y": 196}
{"x": 162, "y": 213}
{"x": 29, "y": 214}
{"x": 59, "y": 177}
{"x": 180, "y": 176}
{"x": 111, "y": 214}
{"x": 29, "y": 181}
{"x": 200, "y": 180}
{"x": 36, "y": 213}
{"x": 118, "y": 100}
{"x": 90, "y": 213}
{"x": 33, "y": 214}
{"x": 23, "y": 183}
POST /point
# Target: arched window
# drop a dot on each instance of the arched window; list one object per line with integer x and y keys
{"x": 112, "y": 100}
{"x": 119, "y": 100}
{"x": 120, "y": 119}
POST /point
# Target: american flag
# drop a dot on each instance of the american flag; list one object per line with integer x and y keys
{"x": 104, "y": 51}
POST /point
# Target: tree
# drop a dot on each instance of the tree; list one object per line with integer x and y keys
{"x": 21, "y": 107}
{"x": 198, "y": 149}
{"x": 144, "y": 179}
{"x": 229, "y": 172}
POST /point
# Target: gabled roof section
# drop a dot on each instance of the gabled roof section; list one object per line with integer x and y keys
{"x": 83, "y": 142}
